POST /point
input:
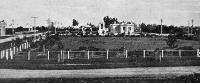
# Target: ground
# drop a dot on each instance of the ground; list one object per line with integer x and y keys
{"x": 146, "y": 72}
{"x": 130, "y": 43}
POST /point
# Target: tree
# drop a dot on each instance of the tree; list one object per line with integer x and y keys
{"x": 108, "y": 20}
{"x": 19, "y": 29}
{"x": 172, "y": 41}
{"x": 75, "y": 22}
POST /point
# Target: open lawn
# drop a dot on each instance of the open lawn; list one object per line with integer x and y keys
{"x": 130, "y": 43}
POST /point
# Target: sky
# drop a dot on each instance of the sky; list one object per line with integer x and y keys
{"x": 173, "y": 12}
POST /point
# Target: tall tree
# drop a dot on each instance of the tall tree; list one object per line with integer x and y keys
{"x": 108, "y": 20}
{"x": 75, "y": 22}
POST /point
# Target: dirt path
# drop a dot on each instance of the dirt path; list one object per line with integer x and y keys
{"x": 150, "y": 72}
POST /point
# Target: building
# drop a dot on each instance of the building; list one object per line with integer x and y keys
{"x": 102, "y": 29}
{"x": 124, "y": 28}
{"x": 3, "y": 28}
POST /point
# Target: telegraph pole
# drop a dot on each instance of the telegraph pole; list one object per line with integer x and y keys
{"x": 161, "y": 26}
{"x": 13, "y": 22}
{"x": 188, "y": 27}
{"x": 34, "y": 22}
{"x": 34, "y": 25}
{"x": 192, "y": 26}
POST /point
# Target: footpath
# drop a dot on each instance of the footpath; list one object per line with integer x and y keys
{"x": 140, "y": 72}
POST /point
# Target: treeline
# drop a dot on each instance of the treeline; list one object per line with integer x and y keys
{"x": 22, "y": 29}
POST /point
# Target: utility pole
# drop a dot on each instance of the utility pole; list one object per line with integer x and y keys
{"x": 13, "y": 22}
{"x": 192, "y": 26}
{"x": 161, "y": 26}
{"x": 55, "y": 26}
{"x": 188, "y": 27}
{"x": 34, "y": 25}
{"x": 34, "y": 22}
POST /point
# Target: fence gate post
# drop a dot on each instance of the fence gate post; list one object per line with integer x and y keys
{"x": 88, "y": 55}
{"x": 107, "y": 54}
{"x": 144, "y": 52}
{"x": 48, "y": 55}
{"x": 179, "y": 52}
{"x": 29, "y": 55}
{"x": 198, "y": 53}
{"x": 126, "y": 54}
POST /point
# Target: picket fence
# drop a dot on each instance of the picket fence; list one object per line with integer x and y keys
{"x": 15, "y": 53}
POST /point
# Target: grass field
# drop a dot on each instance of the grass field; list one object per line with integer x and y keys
{"x": 130, "y": 43}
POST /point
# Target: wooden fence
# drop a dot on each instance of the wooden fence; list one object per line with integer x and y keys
{"x": 16, "y": 54}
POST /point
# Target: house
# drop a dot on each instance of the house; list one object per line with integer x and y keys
{"x": 124, "y": 28}
{"x": 102, "y": 30}
{"x": 3, "y": 28}
{"x": 90, "y": 30}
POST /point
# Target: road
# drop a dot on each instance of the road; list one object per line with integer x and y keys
{"x": 150, "y": 72}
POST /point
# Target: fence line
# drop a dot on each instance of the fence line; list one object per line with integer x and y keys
{"x": 62, "y": 55}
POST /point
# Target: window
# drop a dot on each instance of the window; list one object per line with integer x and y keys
{"x": 129, "y": 28}
{"x": 124, "y": 28}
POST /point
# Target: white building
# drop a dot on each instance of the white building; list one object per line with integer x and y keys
{"x": 102, "y": 29}
{"x": 126, "y": 28}
{"x": 3, "y": 28}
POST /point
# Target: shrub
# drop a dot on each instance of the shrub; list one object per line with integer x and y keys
{"x": 172, "y": 41}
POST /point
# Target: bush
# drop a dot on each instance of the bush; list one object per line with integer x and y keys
{"x": 171, "y": 41}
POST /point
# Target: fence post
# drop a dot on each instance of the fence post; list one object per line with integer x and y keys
{"x": 17, "y": 49}
{"x": 144, "y": 53}
{"x": 67, "y": 54}
{"x": 88, "y": 55}
{"x": 198, "y": 53}
{"x": 160, "y": 56}
{"x": 61, "y": 57}
{"x": 92, "y": 53}
{"x": 48, "y": 55}
{"x": 20, "y": 48}
{"x": 29, "y": 55}
{"x": 126, "y": 54}
{"x": 179, "y": 52}
{"x": 14, "y": 50}
{"x": 1, "y": 54}
{"x": 58, "y": 57}
{"x": 6, "y": 54}
{"x": 11, "y": 54}
{"x": 162, "y": 53}
{"x": 107, "y": 54}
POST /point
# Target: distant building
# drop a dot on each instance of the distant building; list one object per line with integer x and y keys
{"x": 2, "y": 28}
{"x": 102, "y": 29}
{"x": 124, "y": 28}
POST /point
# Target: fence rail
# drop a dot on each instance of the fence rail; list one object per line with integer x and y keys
{"x": 14, "y": 54}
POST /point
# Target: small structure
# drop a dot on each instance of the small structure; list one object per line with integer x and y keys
{"x": 2, "y": 28}
{"x": 124, "y": 28}
{"x": 102, "y": 29}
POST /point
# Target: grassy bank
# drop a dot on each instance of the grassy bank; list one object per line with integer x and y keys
{"x": 130, "y": 43}
{"x": 99, "y": 63}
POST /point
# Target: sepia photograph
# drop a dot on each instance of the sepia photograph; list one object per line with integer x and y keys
{"x": 99, "y": 41}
